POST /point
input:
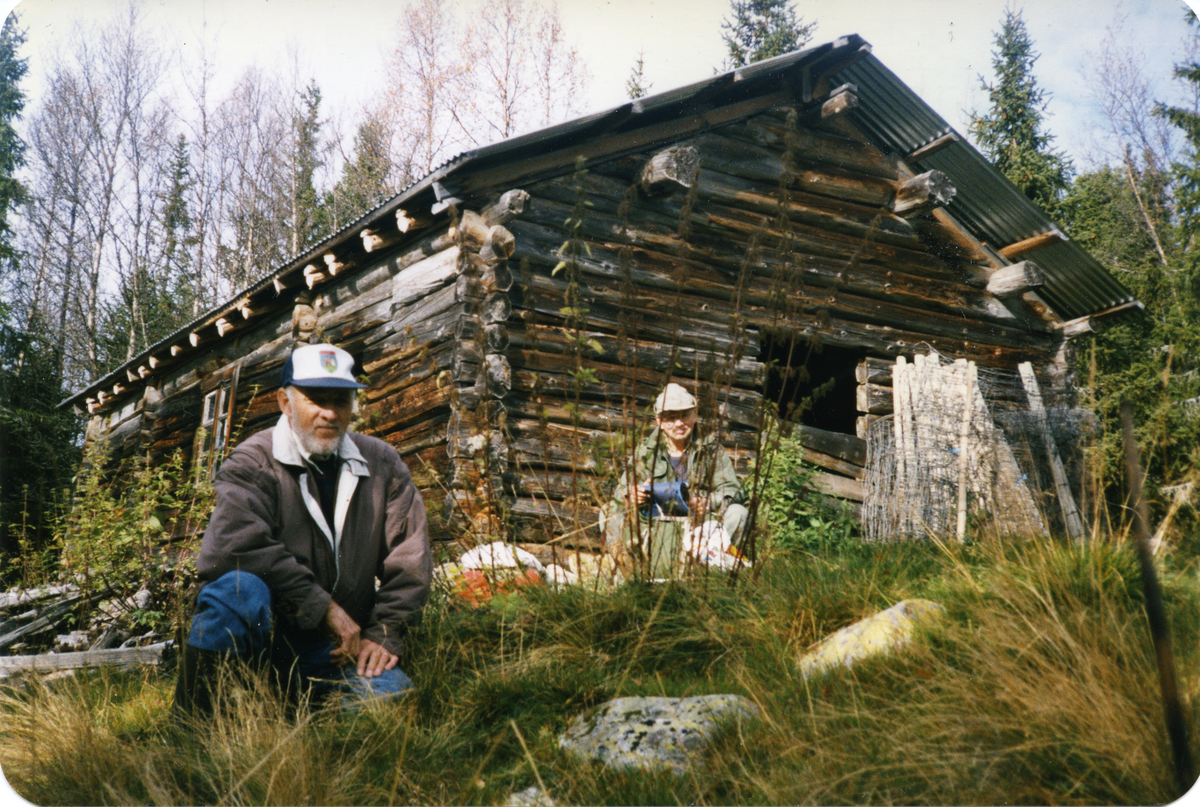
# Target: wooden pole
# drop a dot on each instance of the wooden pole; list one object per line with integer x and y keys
{"x": 1185, "y": 773}
{"x": 964, "y": 438}
{"x": 1066, "y": 500}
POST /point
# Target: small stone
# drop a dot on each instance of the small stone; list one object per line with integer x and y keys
{"x": 71, "y": 642}
{"x": 532, "y": 796}
{"x": 560, "y": 576}
{"x": 653, "y": 732}
{"x": 876, "y": 635}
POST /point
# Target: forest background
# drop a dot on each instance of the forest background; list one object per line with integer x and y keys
{"x": 142, "y": 182}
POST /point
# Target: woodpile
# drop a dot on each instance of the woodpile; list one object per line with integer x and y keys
{"x": 29, "y": 618}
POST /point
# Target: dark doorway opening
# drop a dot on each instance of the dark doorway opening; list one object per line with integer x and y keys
{"x": 812, "y": 383}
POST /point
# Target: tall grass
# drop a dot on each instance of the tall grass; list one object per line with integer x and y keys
{"x": 1039, "y": 687}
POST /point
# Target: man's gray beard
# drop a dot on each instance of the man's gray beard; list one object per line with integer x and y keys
{"x": 319, "y": 449}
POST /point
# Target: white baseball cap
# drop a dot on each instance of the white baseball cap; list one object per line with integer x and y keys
{"x": 673, "y": 398}
{"x": 320, "y": 366}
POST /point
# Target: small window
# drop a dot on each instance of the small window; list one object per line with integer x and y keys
{"x": 216, "y": 422}
{"x": 214, "y": 429}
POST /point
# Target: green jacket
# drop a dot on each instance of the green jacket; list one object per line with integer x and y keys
{"x": 709, "y": 469}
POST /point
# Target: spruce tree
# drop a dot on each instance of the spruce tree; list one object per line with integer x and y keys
{"x": 366, "y": 176}
{"x": 305, "y": 160}
{"x": 12, "y": 148}
{"x": 1012, "y": 133}
{"x": 760, "y": 29}
{"x": 636, "y": 85}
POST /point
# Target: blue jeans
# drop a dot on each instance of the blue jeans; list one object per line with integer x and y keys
{"x": 234, "y": 614}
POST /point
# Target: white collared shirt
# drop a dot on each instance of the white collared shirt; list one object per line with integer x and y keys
{"x": 285, "y": 446}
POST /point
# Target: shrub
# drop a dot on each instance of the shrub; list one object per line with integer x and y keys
{"x": 132, "y": 531}
{"x": 795, "y": 516}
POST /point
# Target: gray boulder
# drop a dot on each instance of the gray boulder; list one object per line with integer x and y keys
{"x": 653, "y": 732}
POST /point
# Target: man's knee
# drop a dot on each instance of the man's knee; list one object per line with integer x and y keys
{"x": 734, "y": 521}
{"x": 233, "y": 613}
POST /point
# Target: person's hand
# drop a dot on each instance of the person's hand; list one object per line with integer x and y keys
{"x": 373, "y": 659}
{"x": 639, "y": 494}
{"x": 346, "y": 634}
{"x": 699, "y": 506}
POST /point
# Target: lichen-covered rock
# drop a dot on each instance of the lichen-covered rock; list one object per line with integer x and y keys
{"x": 876, "y": 635}
{"x": 653, "y": 732}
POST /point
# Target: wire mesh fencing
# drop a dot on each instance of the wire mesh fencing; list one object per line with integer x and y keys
{"x": 969, "y": 448}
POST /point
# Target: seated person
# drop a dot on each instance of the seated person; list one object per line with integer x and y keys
{"x": 673, "y": 452}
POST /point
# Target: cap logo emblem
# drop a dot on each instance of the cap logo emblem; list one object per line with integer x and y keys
{"x": 329, "y": 361}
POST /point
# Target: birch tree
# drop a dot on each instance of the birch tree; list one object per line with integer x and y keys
{"x": 509, "y": 69}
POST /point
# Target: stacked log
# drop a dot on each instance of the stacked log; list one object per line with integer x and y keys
{"x": 874, "y": 393}
{"x": 477, "y": 442}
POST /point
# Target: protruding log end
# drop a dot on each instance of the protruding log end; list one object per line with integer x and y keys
{"x": 371, "y": 240}
{"x": 313, "y": 275}
{"x": 510, "y": 205}
{"x": 473, "y": 229}
{"x": 841, "y": 100}
{"x": 498, "y": 374}
{"x": 333, "y": 265}
{"x": 224, "y": 326}
{"x": 670, "y": 171}
{"x": 1014, "y": 280}
{"x": 923, "y": 193}
{"x": 498, "y": 245}
{"x": 1082, "y": 326}
{"x": 403, "y": 222}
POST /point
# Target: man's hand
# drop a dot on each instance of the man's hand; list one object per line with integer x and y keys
{"x": 699, "y": 506}
{"x": 346, "y": 634}
{"x": 374, "y": 659}
{"x": 638, "y": 494}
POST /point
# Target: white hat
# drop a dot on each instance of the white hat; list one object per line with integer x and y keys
{"x": 320, "y": 366}
{"x": 673, "y": 398}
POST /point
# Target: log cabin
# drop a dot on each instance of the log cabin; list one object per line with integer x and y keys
{"x": 775, "y": 238}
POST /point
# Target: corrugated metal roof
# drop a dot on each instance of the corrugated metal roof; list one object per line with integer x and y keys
{"x": 986, "y": 203}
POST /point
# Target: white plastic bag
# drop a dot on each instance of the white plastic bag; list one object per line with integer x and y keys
{"x": 499, "y": 555}
{"x": 710, "y": 544}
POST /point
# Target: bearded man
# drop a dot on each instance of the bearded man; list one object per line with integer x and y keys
{"x": 308, "y": 517}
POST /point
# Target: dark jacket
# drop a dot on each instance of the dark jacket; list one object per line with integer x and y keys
{"x": 709, "y": 470}
{"x": 263, "y": 524}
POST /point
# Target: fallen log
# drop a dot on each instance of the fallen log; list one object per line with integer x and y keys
{"x": 11, "y": 599}
{"x": 124, "y": 658}
{"x": 51, "y": 618}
